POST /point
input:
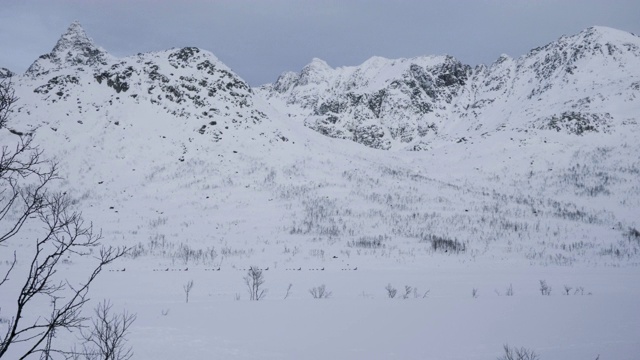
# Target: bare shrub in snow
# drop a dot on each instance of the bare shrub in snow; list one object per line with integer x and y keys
{"x": 320, "y": 292}
{"x": 544, "y": 288}
{"x": 407, "y": 291}
{"x": 513, "y": 353}
{"x": 443, "y": 244}
{"x": 509, "y": 291}
{"x": 580, "y": 291}
{"x": 368, "y": 242}
{"x": 633, "y": 235}
{"x": 255, "y": 281}
{"x": 187, "y": 289}
{"x": 107, "y": 338}
{"x": 391, "y": 291}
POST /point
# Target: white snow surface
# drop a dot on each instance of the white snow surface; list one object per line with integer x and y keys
{"x": 528, "y": 170}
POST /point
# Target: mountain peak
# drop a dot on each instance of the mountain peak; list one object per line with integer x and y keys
{"x": 376, "y": 61}
{"x": 315, "y": 72}
{"x": 317, "y": 62}
{"x": 605, "y": 31}
{"x": 603, "y": 34}
{"x": 74, "y": 48}
{"x": 74, "y": 37}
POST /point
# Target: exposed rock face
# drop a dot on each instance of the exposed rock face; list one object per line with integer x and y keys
{"x": 6, "y": 73}
{"x": 187, "y": 83}
{"x": 578, "y": 84}
{"x": 408, "y": 103}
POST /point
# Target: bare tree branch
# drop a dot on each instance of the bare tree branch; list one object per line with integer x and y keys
{"x": 107, "y": 338}
{"x": 25, "y": 178}
{"x": 7, "y": 99}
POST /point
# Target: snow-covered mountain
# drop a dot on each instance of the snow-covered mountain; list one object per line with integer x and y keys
{"x": 196, "y": 90}
{"x": 174, "y": 145}
{"x": 74, "y": 48}
{"x": 530, "y": 176}
{"x": 580, "y": 83}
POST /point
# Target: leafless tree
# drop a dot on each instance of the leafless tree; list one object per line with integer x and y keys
{"x": 187, "y": 289}
{"x": 254, "y": 281}
{"x": 25, "y": 199}
{"x": 320, "y": 292}
{"x": 107, "y": 339}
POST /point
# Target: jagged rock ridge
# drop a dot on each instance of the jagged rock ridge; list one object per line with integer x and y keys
{"x": 74, "y": 48}
{"x": 409, "y": 103}
{"x": 5, "y": 73}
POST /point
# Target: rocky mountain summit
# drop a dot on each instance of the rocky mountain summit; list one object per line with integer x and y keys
{"x": 579, "y": 84}
{"x": 190, "y": 84}
{"x": 74, "y": 48}
{"x": 582, "y": 83}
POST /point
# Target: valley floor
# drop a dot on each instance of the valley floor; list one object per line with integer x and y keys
{"x": 359, "y": 321}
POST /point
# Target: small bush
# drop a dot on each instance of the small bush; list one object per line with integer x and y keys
{"x": 367, "y": 242}
{"x": 439, "y": 243}
{"x": 518, "y": 354}
{"x": 254, "y": 280}
{"x": 544, "y": 288}
{"x": 633, "y": 235}
{"x": 509, "y": 291}
{"x": 391, "y": 291}
{"x": 407, "y": 291}
{"x": 320, "y": 292}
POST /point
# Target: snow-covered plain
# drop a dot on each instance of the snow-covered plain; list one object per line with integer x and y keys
{"x": 196, "y": 175}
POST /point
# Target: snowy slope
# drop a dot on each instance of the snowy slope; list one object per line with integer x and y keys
{"x": 173, "y": 154}
{"x": 175, "y": 138}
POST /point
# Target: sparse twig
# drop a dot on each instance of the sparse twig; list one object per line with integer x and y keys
{"x": 187, "y": 289}
{"x": 288, "y": 291}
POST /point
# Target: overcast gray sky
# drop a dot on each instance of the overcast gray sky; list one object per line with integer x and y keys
{"x": 261, "y": 39}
